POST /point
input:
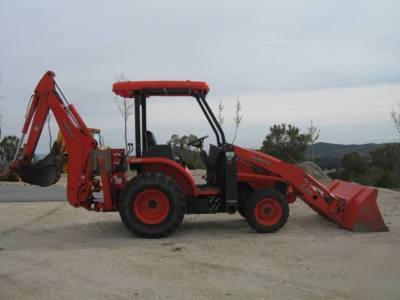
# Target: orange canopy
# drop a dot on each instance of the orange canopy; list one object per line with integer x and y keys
{"x": 129, "y": 89}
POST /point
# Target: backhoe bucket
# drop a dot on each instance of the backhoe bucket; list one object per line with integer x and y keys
{"x": 44, "y": 172}
{"x": 361, "y": 212}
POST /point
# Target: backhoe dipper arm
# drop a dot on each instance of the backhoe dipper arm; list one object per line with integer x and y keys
{"x": 80, "y": 143}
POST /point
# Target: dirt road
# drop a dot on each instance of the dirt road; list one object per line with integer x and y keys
{"x": 52, "y": 250}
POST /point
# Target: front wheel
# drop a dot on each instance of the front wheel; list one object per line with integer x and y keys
{"x": 152, "y": 205}
{"x": 266, "y": 211}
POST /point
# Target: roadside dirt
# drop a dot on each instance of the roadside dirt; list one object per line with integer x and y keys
{"x": 52, "y": 250}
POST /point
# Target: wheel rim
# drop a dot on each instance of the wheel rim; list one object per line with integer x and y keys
{"x": 151, "y": 206}
{"x": 268, "y": 212}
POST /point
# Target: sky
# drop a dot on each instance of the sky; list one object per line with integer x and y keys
{"x": 334, "y": 62}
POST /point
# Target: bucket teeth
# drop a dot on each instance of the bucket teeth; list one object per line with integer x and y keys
{"x": 44, "y": 172}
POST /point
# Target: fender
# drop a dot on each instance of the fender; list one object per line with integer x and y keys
{"x": 170, "y": 168}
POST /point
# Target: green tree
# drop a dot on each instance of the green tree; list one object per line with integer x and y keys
{"x": 8, "y": 146}
{"x": 190, "y": 155}
{"x": 381, "y": 168}
{"x": 286, "y": 142}
{"x": 386, "y": 157}
{"x": 385, "y": 166}
{"x": 354, "y": 167}
{"x": 174, "y": 140}
{"x": 179, "y": 141}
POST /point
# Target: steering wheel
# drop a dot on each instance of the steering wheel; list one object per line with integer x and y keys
{"x": 198, "y": 143}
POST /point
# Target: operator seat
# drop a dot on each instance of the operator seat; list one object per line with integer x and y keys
{"x": 155, "y": 150}
{"x": 150, "y": 139}
{"x": 214, "y": 162}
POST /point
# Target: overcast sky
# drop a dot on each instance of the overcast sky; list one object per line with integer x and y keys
{"x": 335, "y": 62}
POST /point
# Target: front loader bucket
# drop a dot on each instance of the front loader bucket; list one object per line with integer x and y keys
{"x": 44, "y": 172}
{"x": 361, "y": 212}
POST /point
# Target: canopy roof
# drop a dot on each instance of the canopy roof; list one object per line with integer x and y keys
{"x": 128, "y": 89}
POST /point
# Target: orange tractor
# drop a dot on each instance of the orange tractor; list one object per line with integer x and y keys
{"x": 153, "y": 203}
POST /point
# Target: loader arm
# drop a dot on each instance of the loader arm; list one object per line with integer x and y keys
{"x": 79, "y": 142}
{"x": 349, "y": 205}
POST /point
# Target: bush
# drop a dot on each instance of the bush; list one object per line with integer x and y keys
{"x": 190, "y": 155}
{"x": 286, "y": 142}
{"x": 381, "y": 169}
{"x": 6, "y": 174}
{"x": 387, "y": 157}
{"x": 8, "y": 146}
{"x": 383, "y": 178}
{"x": 353, "y": 167}
{"x": 191, "y": 158}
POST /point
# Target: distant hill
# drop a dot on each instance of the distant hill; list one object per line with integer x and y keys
{"x": 328, "y": 155}
{"x": 324, "y": 150}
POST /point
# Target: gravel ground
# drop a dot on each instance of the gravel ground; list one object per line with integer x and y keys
{"x": 52, "y": 250}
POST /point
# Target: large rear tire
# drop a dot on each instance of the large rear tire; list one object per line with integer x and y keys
{"x": 266, "y": 211}
{"x": 152, "y": 205}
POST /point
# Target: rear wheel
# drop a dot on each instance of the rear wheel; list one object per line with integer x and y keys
{"x": 152, "y": 205}
{"x": 266, "y": 210}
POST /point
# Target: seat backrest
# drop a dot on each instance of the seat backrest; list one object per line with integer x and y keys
{"x": 215, "y": 165}
{"x": 150, "y": 139}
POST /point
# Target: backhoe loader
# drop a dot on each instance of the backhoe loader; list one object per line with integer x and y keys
{"x": 153, "y": 203}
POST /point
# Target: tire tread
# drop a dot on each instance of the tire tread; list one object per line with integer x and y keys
{"x": 251, "y": 203}
{"x": 139, "y": 183}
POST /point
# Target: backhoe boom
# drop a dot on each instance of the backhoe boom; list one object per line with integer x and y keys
{"x": 79, "y": 141}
